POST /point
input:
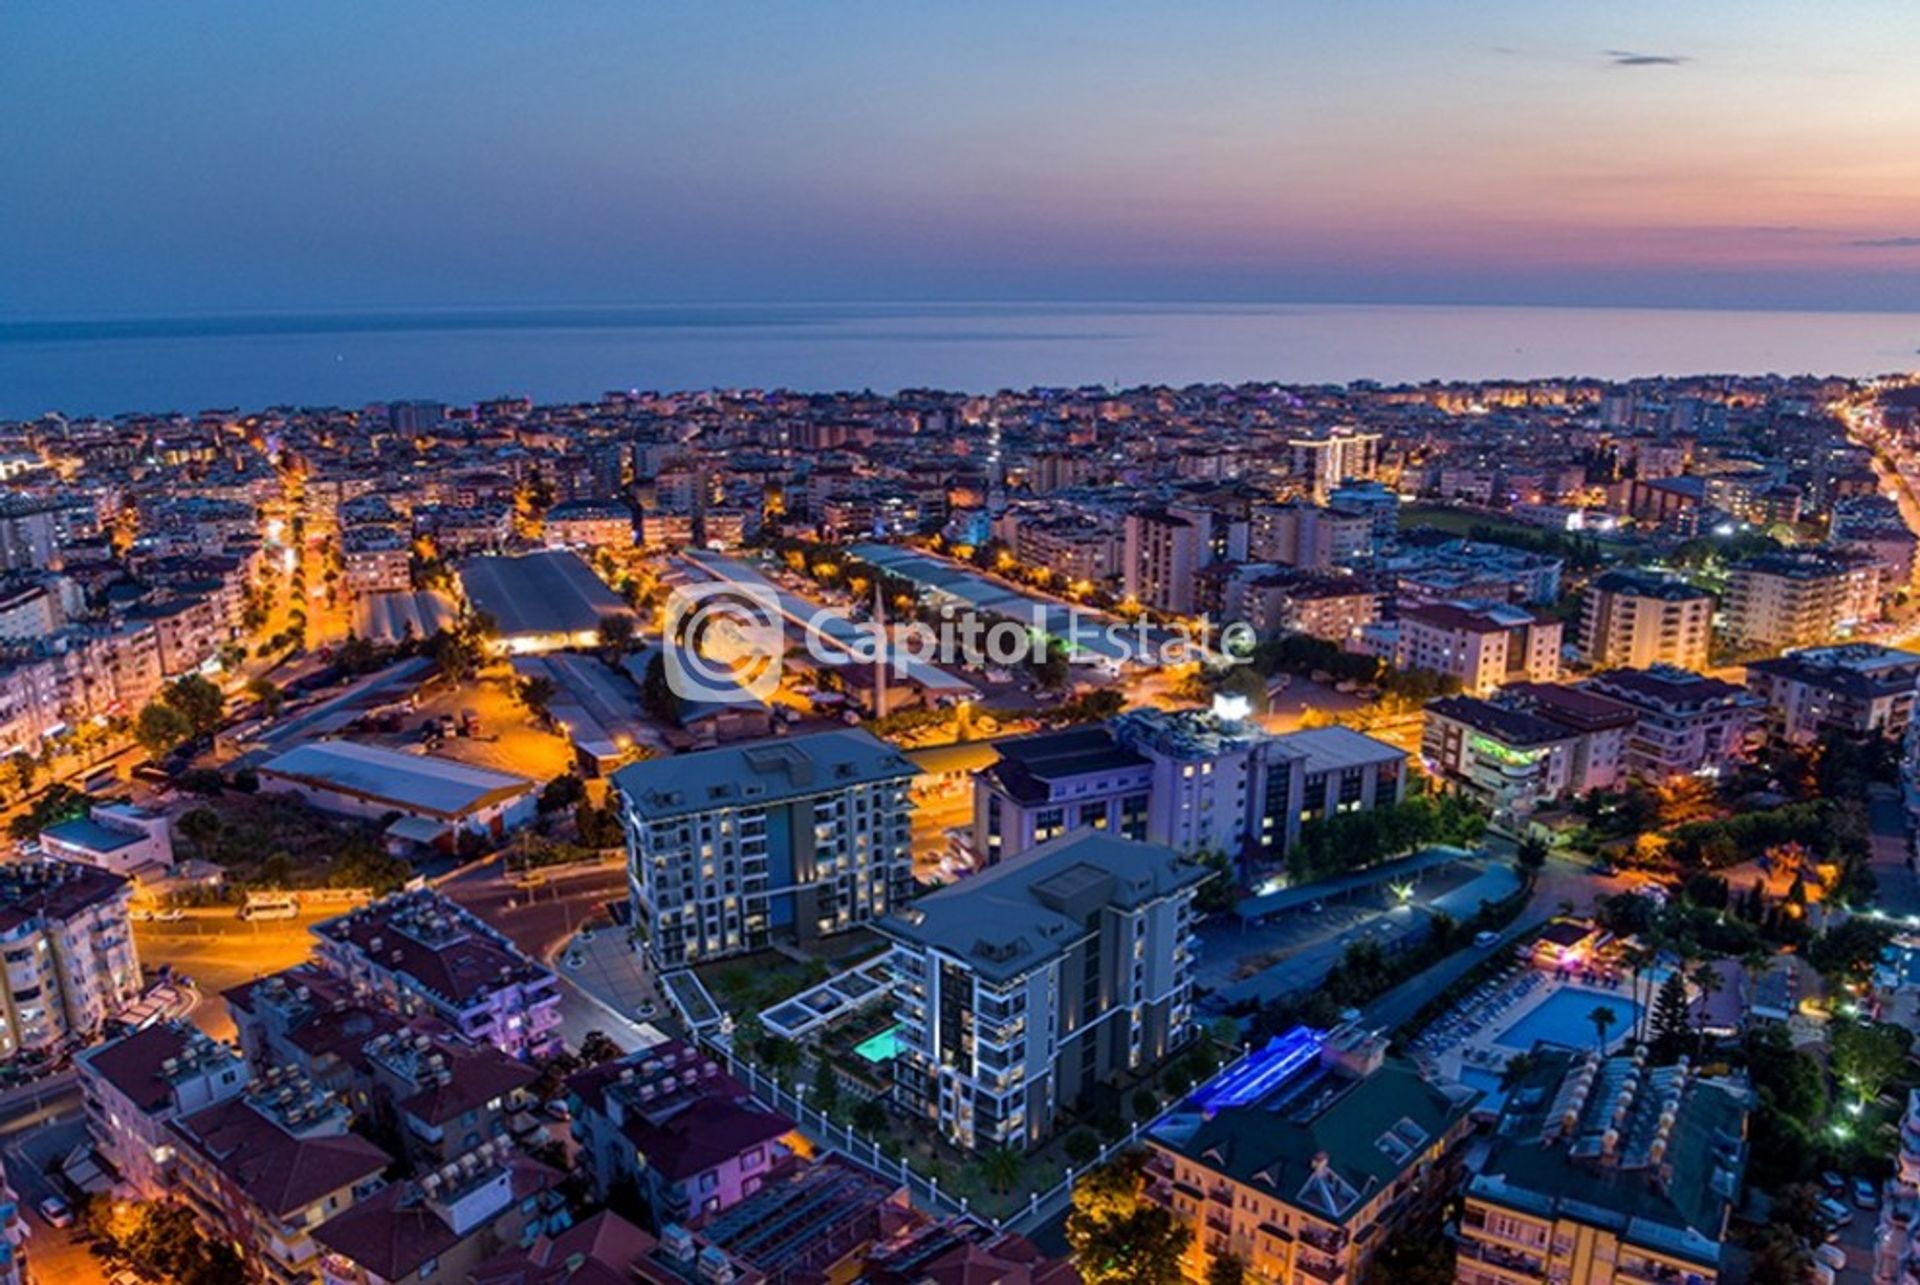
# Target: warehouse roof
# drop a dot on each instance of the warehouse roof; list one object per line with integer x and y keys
{"x": 552, "y": 592}
{"x": 413, "y": 782}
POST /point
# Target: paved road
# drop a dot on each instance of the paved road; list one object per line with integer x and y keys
{"x": 1561, "y": 881}
{"x": 39, "y": 1125}
{"x": 1893, "y": 854}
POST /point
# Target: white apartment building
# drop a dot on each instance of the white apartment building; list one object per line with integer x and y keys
{"x": 1800, "y": 599}
{"x": 378, "y": 559}
{"x": 1485, "y": 646}
{"x": 733, "y": 848}
{"x": 67, "y": 945}
{"x": 1309, "y": 536}
{"x": 1860, "y": 689}
{"x": 137, "y": 1085}
{"x": 1023, "y": 987}
{"x": 1323, "y": 463}
{"x": 1633, "y": 619}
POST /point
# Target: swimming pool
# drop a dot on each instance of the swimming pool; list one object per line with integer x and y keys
{"x": 883, "y": 1047}
{"x": 1562, "y": 1018}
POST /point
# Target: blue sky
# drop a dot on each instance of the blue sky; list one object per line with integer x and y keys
{"x": 187, "y": 157}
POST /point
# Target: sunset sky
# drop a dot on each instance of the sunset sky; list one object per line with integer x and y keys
{"x": 178, "y": 157}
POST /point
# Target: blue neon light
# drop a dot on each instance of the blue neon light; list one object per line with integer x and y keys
{"x": 1259, "y": 1074}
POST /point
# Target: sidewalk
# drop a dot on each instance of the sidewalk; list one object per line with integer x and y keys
{"x": 611, "y": 975}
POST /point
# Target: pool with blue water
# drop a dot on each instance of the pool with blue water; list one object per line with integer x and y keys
{"x": 1565, "y": 1017}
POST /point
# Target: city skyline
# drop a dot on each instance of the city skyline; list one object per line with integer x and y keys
{"x": 241, "y": 160}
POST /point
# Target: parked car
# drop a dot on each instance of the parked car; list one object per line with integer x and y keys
{"x": 1865, "y": 1194}
{"x": 1835, "y": 1213}
{"x": 1834, "y": 1183}
{"x": 56, "y": 1211}
{"x": 1485, "y": 938}
{"x": 559, "y": 1110}
{"x": 1832, "y": 1256}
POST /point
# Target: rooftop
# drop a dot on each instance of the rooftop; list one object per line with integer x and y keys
{"x": 1015, "y": 916}
{"x": 759, "y": 773}
{"x": 552, "y": 592}
{"x": 413, "y": 782}
{"x": 1653, "y": 1152}
{"x": 442, "y": 948}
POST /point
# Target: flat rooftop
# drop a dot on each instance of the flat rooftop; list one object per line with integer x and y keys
{"x": 759, "y": 773}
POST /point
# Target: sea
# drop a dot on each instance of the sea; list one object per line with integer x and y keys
{"x": 193, "y": 363}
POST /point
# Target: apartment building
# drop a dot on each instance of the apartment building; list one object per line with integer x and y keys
{"x": 14, "y": 1232}
{"x": 1192, "y": 780}
{"x": 134, "y": 1087}
{"x": 1800, "y": 599}
{"x": 1633, "y": 619}
{"x": 1896, "y": 1239}
{"x": 1023, "y": 987}
{"x": 671, "y": 1123}
{"x": 1323, "y": 462}
{"x": 1078, "y": 547}
{"x": 1858, "y": 689}
{"x": 1684, "y": 723}
{"x": 1604, "y": 1171}
{"x": 1471, "y": 570}
{"x": 1309, "y": 536}
{"x": 267, "y": 1168}
{"x": 442, "y": 1223}
{"x": 68, "y": 949}
{"x": 376, "y": 559}
{"x": 445, "y": 1097}
{"x": 1302, "y": 1161}
{"x": 418, "y": 952}
{"x": 1380, "y": 504}
{"x": 588, "y": 524}
{"x": 1161, "y": 555}
{"x": 732, "y": 848}
{"x": 1513, "y": 760}
{"x": 1483, "y": 645}
{"x": 1281, "y": 600}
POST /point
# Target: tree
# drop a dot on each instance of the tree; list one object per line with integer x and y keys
{"x": 198, "y": 699}
{"x": 560, "y": 793}
{"x": 1775, "y": 1256}
{"x": 536, "y": 692}
{"x": 1848, "y": 952}
{"x": 1226, "y": 1269}
{"x": 1118, "y": 1238}
{"x": 597, "y": 827}
{"x": 1669, "y": 1027}
{"x": 869, "y": 1117}
{"x": 26, "y": 770}
{"x": 1532, "y": 853}
{"x": 269, "y": 696}
{"x": 202, "y": 826}
{"x": 160, "y": 729}
{"x": 1002, "y": 1167}
{"x": 656, "y": 693}
{"x": 1867, "y": 1056}
{"x": 826, "y": 1088}
{"x": 1602, "y": 1018}
{"x": 59, "y": 803}
{"x": 780, "y": 1055}
{"x": 597, "y": 1047}
{"x": 616, "y": 635}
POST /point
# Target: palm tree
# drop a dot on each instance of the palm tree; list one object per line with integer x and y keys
{"x": 1002, "y": 1167}
{"x": 1708, "y": 979}
{"x": 1755, "y": 964}
{"x": 1602, "y": 1017}
{"x": 1638, "y": 959}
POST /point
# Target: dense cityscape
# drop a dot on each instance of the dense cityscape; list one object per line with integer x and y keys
{"x": 1446, "y": 832}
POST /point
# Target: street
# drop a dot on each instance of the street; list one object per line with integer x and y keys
{"x": 39, "y": 1125}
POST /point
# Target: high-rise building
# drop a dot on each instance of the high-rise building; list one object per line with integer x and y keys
{"x": 731, "y": 849}
{"x": 1634, "y": 619}
{"x": 1379, "y": 502}
{"x": 70, "y": 958}
{"x": 1023, "y": 987}
{"x": 1325, "y": 462}
{"x": 1161, "y": 556}
{"x": 1605, "y": 1171}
